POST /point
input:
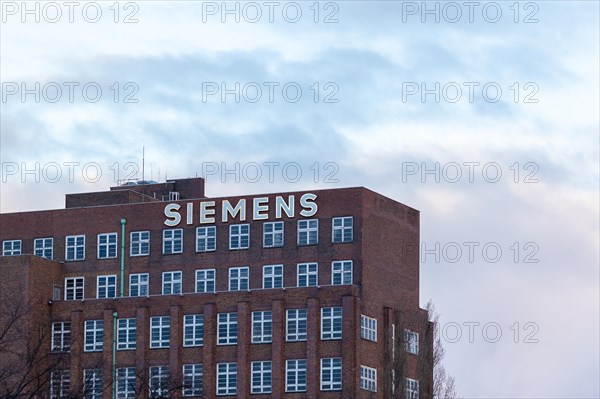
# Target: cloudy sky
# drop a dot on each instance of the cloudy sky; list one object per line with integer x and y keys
{"x": 484, "y": 116}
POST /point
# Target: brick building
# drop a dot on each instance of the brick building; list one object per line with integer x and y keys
{"x": 170, "y": 293}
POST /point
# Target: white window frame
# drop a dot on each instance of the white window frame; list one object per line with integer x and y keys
{"x": 339, "y": 225}
{"x": 227, "y": 328}
{"x": 193, "y": 330}
{"x": 274, "y": 233}
{"x": 160, "y": 332}
{"x": 77, "y": 291}
{"x": 192, "y": 379}
{"x": 105, "y": 285}
{"x": 44, "y": 247}
{"x": 126, "y": 333}
{"x": 239, "y": 278}
{"x": 110, "y": 246}
{"x": 331, "y": 369}
{"x": 126, "y": 383}
{"x": 139, "y": 243}
{"x": 307, "y": 274}
{"x": 272, "y": 276}
{"x": 205, "y": 278}
{"x": 262, "y": 326}
{"x": 11, "y": 247}
{"x": 77, "y": 246}
{"x": 94, "y": 332}
{"x": 142, "y": 284}
{"x": 368, "y": 378}
{"x": 172, "y": 283}
{"x": 92, "y": 384}
{"x": 368, "y": 328}
{"x": 206, "y": 238}
{"x": 172, "y": 238}
{"x": 296, "y": 325}
{"x": 237, "y": 237}
{"x": 411, "y": 338}
{"x": 295, "y": 368}
{"x": 308, "y": 232}
{"x": 226, "y": 374}
{"x": 331, "y": 323}
{"x": 261, "y": 377}
{"x": 60, "y": 383}
{"x": 412, "y": 389}
{"x": 61, "y": 336}
{"x": 158, "y": 380}
{"x": 342, "y": 270}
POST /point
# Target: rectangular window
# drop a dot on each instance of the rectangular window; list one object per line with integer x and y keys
{"x": 107, "y": 245}
{"x": 262, "y": 326}
{"x": 368, "y": 378}
{"x": 43, "y": 247}
{"x": 412, "y": 389}
{"x": 11, "y": 247}
{"x": 172, "y": 241}
{"x": 193, "y": 330}
{"x": 192, "y": 379}
{"x": 341, "y": 272}
{"x": 160, "y": 331}
{"x": 308, "y": 232}
{"x": 226, "y": 378}
{"x": 61, "y": 336}
{"x": 74, "y": 288}
{"x": 140, "y": 243}
{"x": 239, "y": 236}
{"x": 331, "y": 374}
{"x": 273, "y": 276}
{"x": 159, "y": 381}
{"x": 308, "y": 274}
{"x": 295, "y": 375}
{"x": 126, "y": 383}
{"x": 205, "y": 280}
{"x": 368, "y": 328}
{"x": 239, "y": 279}
{"x": 206, "y": 239}
{"x": 127, "y": 331}
{"x": 261, "y": 377}
{"x": 331, "y": 323}
{"x": 272, "y": 234}
{"x": 75, "y": 248}
{"x": 227, "y": 329}
{"x": 295, "y": 325}
{"x": 94, "y": 335}
{"x": 106, "y": 286}
{"x": 342, "y": 229}
{"x": 138, "y": 284}
{"x": 60, "y": 384}
{"x": 92, "y": 384}
{"x": 171, "y": 283}
{"x": 412, "y": 341}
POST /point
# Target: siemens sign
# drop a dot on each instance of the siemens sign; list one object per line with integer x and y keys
{"x": 260, "y": 209}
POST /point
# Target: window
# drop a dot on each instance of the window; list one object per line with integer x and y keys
{"x": 273, "y": 276}
{"x": 92, "y": 384}
{"x": 368, "y": 378}
{"x": 172, "y": 241}
{"x": 412, "y": 389}
{"x": 331, "y": 323}
{"x": 75, "y": 248}
{"x": 61, "y": 336}
{"x": 272, "y": 234}
{"x": 171, "y": 283}
{"x": 193, "y": 330}
{"x": 43, "y": 247}
{"x": 295, "y": 375}
{"x": 308, "y": 274}
{"x": 308, "y": 232}
{"x": 238, "y": 279}
{"x": 160, "y": 331}
{"x": 192, "y": 379}
{"x": 107, "y": 287}
{"x": 227, "y": 329}
{"x": 60, "y": 384}
{"x": 262, "y": 326}
{"x": 226, "y": 378}
{"x": 126, "y": 383}
{"x": 140, "y": 243}
{"x": 331, "y": 374}
{"x": 239, "y": 236}
{"x": 342, "y": 229}
{"x": 159, "y": 381}
{"x": 107, "y": 245}
{"x": 74, "y": 288}
{"x": 205, "y": 280}
{"x": 11, "y": 247}
{"x": 261, "y": 377}
{"x": 94, "y": 335}
{"x": 138, "y": 284}
{"x": 341, "y": 272}
{"x": 368, "y": 328}
{"x": 296, "y": 325}
{"x": 412, "y": 341}
{"x": 206, "y": 239}
{"x": 127, "y": 331}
